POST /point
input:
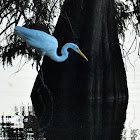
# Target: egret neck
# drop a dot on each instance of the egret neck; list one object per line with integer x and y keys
{"x": 64, "y": 53}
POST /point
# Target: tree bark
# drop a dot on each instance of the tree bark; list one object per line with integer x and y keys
{"x": 75, "y": 83}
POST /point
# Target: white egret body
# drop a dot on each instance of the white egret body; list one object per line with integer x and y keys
{"x": 46, "y": 44}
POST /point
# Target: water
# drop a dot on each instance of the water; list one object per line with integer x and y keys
{"x": 132, "y": 123}
{"x": 109, "y": 120}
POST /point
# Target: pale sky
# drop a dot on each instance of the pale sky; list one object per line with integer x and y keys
{"x": 15, "y": 89}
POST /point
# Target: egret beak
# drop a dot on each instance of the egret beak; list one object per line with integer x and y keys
{"x": 82, "y": 54}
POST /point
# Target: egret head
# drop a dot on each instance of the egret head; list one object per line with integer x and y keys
{"x": 76, "y": 49}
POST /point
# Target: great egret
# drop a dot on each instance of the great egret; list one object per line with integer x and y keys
{"x": 46, "y": 44}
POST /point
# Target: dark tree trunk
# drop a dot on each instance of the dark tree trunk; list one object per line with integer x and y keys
{"x": 75, "y": 83}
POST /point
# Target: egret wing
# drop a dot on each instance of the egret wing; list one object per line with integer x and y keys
{"x": 37, "y": 38}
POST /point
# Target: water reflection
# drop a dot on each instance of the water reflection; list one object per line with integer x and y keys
{"x": 22, "y": 126}
{"x": 91, "y": 120}
{"x": 95, "y": 120}
{"x": 108, "y": 119}
{"x": 104, "y": 121}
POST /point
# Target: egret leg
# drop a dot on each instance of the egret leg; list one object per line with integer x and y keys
{"x": 49, "y": 93}
{"x": 42, "y": 80}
